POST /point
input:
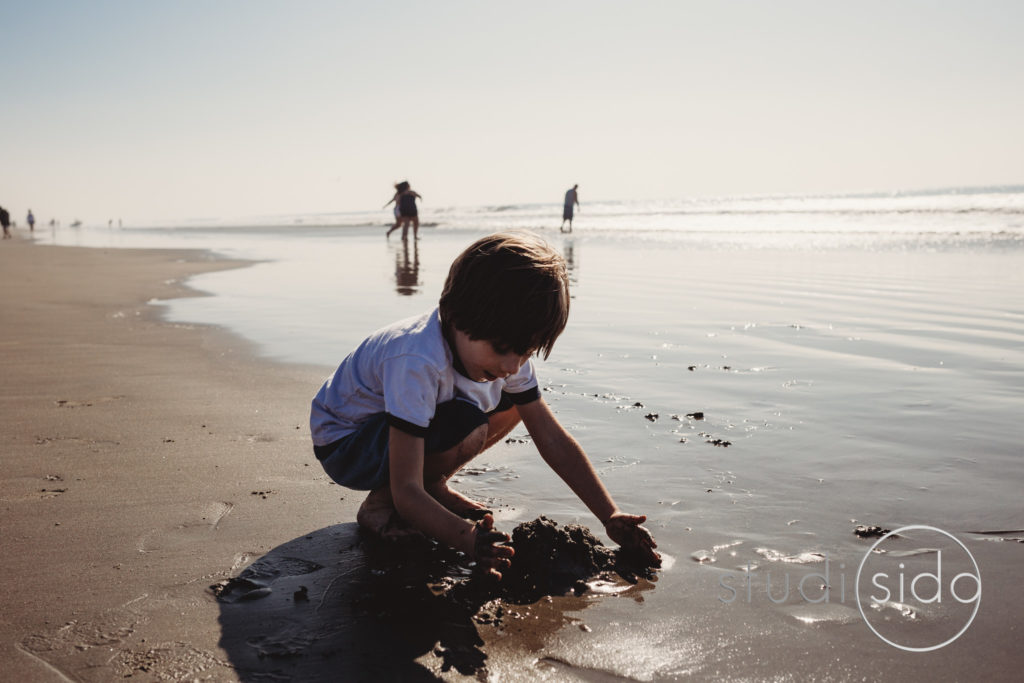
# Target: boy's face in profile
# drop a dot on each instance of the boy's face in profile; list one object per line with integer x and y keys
{"x": 484, "y": 361}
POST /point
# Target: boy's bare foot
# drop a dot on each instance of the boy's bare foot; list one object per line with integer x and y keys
{"x": 457, "y": 503}
{"x": 378, "y": 516}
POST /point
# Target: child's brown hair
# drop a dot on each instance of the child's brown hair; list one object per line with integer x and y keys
{"x": 511, "y": 289}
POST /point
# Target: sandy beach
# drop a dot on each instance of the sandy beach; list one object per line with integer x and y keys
{"x": 147, "y": 461}
{"x": 142, "y": 462}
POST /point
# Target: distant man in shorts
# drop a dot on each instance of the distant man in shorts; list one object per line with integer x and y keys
{"x": 571, "y": 200}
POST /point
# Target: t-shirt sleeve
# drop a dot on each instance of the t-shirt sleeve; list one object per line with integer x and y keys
{"x": 524, "y": 397}
{"x": 522, "y": 387}
{"x": 410, "y": 393}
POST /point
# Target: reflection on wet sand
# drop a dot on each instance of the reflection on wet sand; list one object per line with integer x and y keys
{"x": 407, "y": 269}
{"x": 571, "y": 259}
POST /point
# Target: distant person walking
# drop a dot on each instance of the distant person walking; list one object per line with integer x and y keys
{"x": 405, "y": 200}
{"x": 571, "y": 200}
{"x": 31, "y": 221}
{"x": 5, "y": 221}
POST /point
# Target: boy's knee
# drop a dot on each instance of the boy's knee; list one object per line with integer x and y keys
{"x": 506, "y": 417}
{"x": 474, "y": 441}
{"x": 444, "y": 464}
{"x": 500, "y": 424}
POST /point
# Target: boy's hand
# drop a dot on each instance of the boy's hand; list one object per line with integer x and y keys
{"x": 489, "y": 556}
{"x": 626, "y": 531}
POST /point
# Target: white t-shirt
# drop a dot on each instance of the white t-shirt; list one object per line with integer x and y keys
{"x": 404, "y": 370}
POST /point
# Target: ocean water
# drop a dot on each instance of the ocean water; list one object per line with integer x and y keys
{"x": 757, "y": 375}
{"x": 951, "y": 210}
{"x": 288, "y": 305}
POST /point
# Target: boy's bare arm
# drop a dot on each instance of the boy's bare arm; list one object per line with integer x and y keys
{"x": 566, "y": 457}
{"x": 420, "y": 509}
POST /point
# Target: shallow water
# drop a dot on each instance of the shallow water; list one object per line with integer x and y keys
{"x": 851, "y": 384}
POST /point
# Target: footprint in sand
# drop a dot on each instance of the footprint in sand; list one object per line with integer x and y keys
{"x": 27, "y": 488}
{"x": 172, "y": 661}
{"x": 204, "y": 521}
{"x": 79, "y": 645}
{"x": 260, "y": 438}
{"x": 115, "y": 645}
{"x": 74, "y": 441}
{"x": 85, "y": 403}
{"x": 257, "y": 580}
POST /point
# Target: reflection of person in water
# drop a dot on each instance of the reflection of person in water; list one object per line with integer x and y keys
{"x": 405, "y": 199}
{"x": 407, "y": 271}
{"x": 569, "y": 253}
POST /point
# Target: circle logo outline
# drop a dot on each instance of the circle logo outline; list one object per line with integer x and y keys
{"x": 860, "y": 606}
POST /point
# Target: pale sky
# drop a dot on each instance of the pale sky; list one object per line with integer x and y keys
{"x": 195, "y": 109}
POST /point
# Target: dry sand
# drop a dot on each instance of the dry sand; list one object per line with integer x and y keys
{"x": 142, "y": 461}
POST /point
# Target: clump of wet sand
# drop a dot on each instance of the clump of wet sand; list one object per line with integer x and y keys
{"x": 553, "y": 560}
{"x": 549, "y": 561}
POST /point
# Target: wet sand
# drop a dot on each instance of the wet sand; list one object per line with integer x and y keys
{"x": 146, "y": 462}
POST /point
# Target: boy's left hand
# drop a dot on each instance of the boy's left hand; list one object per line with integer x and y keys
{"x": 626, "y": 531}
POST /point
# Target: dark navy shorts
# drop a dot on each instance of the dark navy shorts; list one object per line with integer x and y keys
{"x": 360, "y": 460}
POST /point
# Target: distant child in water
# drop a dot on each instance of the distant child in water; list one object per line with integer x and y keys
{"x": 417, "y": 400}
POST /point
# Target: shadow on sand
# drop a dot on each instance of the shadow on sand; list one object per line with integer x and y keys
{"x": 322, "y": 608}
{"x": 330, "y": 606}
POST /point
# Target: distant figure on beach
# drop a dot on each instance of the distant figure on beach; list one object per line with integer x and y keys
{"x": 419, "y": 399}
{"x": 572, "y": 199}
{"x": 31, "y": 221}
{"x": 405, "y": 203}
{"x": 5, "y": 221}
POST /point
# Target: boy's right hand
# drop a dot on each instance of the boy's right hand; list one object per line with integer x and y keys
{"x": 491, "y": 557}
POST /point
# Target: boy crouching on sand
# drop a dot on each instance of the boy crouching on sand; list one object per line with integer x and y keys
{"x": 418, "y": 400}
